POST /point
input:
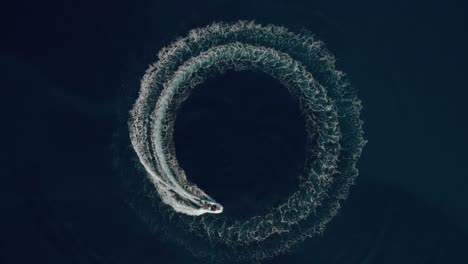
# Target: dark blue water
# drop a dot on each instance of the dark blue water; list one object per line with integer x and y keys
{"x": 68, "y": 68}
{"x": 241, "y": 135}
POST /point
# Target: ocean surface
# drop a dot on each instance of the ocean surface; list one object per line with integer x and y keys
{"x": 70, "y": 72}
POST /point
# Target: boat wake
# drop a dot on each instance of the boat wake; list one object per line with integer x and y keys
{"x": 334, "y": 139}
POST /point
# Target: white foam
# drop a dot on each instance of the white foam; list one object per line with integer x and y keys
{"x": 307, "y": 70}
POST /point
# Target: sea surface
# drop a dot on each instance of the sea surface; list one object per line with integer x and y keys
{"x": 70, "y": 71}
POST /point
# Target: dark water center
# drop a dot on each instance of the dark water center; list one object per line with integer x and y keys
{"x": 241, "y": 138}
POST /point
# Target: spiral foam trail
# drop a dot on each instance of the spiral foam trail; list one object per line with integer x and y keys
{"x": 334, "y": 135}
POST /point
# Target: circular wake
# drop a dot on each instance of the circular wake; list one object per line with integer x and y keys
{"x": 334, "y": 139}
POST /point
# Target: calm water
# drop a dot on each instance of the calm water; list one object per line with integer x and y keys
{"x": 70, "y": 69}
